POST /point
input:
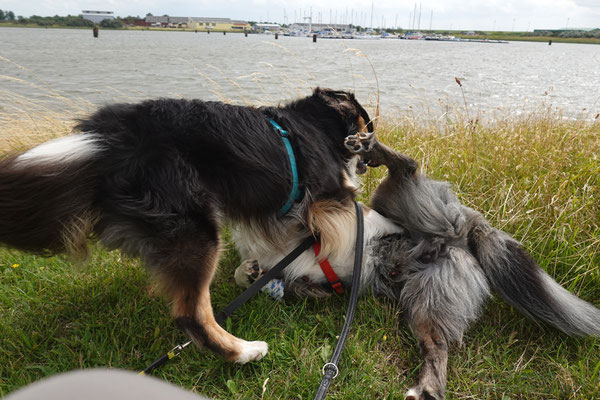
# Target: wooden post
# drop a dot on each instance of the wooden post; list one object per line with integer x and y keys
{"x": 276, "y": 35}
{"x": 95, "y": 31}
{"x": 314, "y": 38}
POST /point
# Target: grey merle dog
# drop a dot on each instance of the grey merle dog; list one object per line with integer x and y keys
{"x": 441, "y": 268}
{"x": 439, "y": 260}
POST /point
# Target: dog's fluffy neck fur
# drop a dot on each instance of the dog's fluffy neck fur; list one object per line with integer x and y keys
{"x": 254, "y": 243}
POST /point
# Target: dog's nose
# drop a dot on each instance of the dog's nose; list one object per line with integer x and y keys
{"x": 428, "y": 257}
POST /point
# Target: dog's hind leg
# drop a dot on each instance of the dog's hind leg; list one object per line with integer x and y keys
{"x": 376, "y": 153}
{"x": 434, "y": 351}
{"x": 185, "y": 266}
{"x": 440, "y": 299}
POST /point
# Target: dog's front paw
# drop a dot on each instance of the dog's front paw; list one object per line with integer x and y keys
{"x": 360, "y": 143}
{"x": 251, "y": 351}
{"x": 247, "y": 273}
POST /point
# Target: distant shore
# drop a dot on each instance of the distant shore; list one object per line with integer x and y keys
{"x": 523, "y": 37}
{"x": 505, "y": 36}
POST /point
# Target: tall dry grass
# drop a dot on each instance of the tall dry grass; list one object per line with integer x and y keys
{"x": 535, "y": 175}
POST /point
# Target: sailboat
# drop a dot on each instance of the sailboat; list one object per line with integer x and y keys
{"x": 369, "y": 34}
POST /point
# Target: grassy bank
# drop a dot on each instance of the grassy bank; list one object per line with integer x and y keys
{"x": 536, "y": 176}
{"x": 529, "y": 38}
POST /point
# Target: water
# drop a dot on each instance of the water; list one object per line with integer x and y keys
{"x": 415, "y": 76}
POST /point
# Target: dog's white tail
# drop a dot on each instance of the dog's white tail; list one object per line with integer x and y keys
{"x": 47, "y": 196}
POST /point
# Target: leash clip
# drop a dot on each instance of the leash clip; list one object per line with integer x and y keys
{"x": 175, "y": 351}
{"x": 337, "y": 371}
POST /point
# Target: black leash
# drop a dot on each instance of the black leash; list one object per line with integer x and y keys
{"x": 238, "y": 301}
{"x": 330, "y": 370}
{"x": 262, "y": 281}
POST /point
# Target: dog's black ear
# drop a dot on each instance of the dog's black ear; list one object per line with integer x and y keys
{"x": 342, "y": 101}
{"x": 346, "y": 105}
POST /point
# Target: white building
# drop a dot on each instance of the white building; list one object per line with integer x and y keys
{"x": 97, "y": 16}
{"x": 304, "y": 26}
{"x": 262, "y": 28}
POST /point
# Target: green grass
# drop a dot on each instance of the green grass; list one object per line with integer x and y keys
{"x": 537, "y": 177}
{"x": 523, "y": 37}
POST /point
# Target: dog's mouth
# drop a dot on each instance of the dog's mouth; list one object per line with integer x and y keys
{"x": 362, "y": 164}
{"x": 361, "y": 167}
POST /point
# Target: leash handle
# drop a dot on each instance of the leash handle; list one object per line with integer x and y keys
{"x": 330, "y": 370}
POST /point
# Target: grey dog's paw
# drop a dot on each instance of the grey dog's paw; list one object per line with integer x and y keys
{"x": 360, "y": 143}
{"x": 247, "y": 273}
{"x": 419, "y": 393}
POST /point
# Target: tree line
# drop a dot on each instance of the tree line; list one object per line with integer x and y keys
{"x": 7, "y": 15}
{"x": 57, "y": 20}
{"x": 570, "y": 34}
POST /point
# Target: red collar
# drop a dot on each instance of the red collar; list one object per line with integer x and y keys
{"x": 330, "y": 274}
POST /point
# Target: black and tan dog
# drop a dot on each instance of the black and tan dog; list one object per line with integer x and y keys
{"x": 159, "y": 178}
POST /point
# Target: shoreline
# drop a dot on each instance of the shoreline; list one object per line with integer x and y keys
{"x": 505, "y": 36}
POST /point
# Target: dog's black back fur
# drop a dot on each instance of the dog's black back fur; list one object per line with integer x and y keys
{"x": 169, "y": 160}
{"x": 221, "y": 154}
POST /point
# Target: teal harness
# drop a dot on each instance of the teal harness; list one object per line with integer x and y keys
{"x": 295, "y": 194}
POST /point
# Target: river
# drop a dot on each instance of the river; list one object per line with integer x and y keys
{"x": 65, "y": 67}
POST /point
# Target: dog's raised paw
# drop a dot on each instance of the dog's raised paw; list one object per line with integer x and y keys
{"x": 251, "y": 351}
{"x": 247, "y": 273}
{"x": 360, "y": 143}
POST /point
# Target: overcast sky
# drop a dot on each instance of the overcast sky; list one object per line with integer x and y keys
{"x": 505, "y": 15}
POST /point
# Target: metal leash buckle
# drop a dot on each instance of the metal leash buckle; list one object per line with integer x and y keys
{"x": 177, "y": 349}
{"x": 337, "y": 371}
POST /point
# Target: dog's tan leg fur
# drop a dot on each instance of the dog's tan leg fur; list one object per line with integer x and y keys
{"x": 434, "y": 351}
{"x": 335, "y": 222}
{"x": 186, "y": 277}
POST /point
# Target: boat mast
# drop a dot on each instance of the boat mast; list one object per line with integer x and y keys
{"x": 430, "y": 19}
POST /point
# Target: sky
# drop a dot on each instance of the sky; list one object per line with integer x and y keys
{"x": 506, "y": 15}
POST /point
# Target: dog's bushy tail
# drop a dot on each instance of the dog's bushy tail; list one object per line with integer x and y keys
{"x": 47, "y": 196}
{"x": 518, "y": 279}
